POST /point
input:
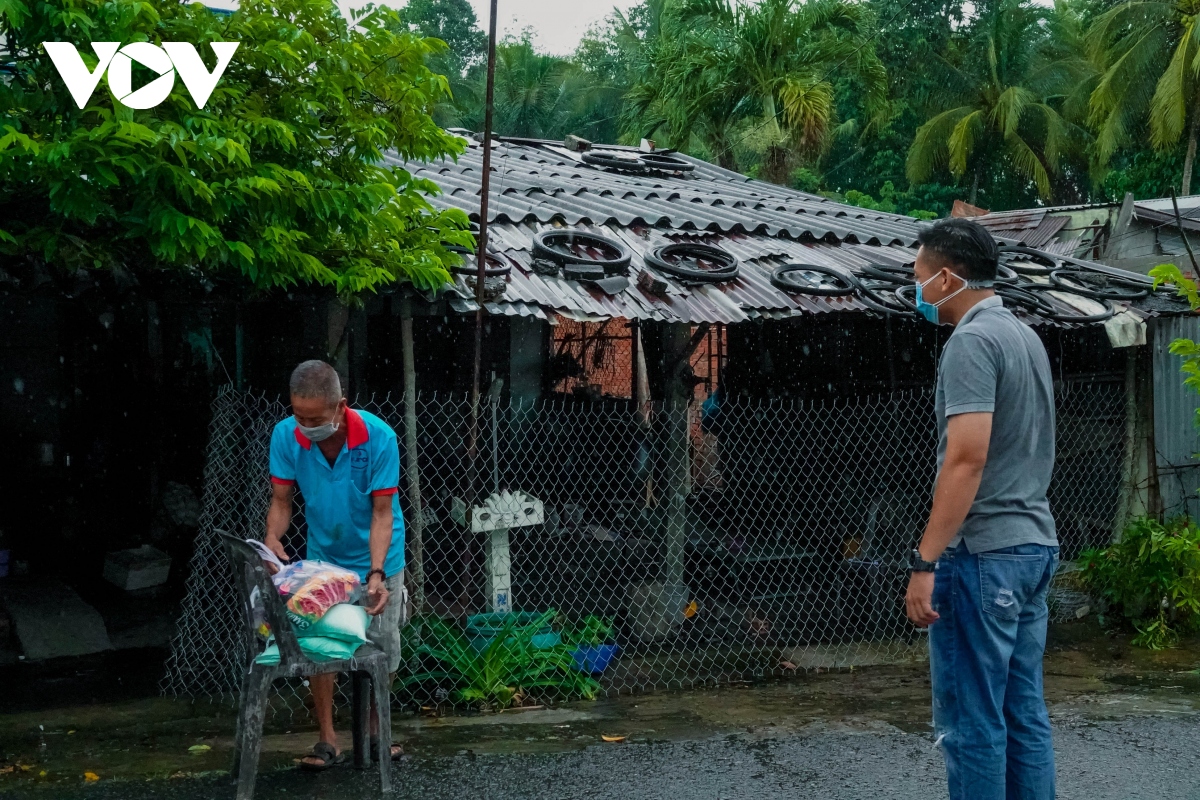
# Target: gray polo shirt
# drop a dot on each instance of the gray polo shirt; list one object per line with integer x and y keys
{"x": 994, "y": 362}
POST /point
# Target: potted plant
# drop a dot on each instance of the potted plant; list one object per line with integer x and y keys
{"x": 592, "y": 638}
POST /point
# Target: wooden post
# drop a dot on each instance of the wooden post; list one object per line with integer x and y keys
{"x": 678, "y": 450}
{"x": 416, "y": 532}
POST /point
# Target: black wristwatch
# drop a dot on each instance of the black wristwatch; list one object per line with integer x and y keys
{"x": 382, "y": 574}
{"x": 918, "y": 564}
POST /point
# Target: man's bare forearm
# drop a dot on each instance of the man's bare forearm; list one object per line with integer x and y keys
{"x": 967, "y": 440}
{"x": 279, "y": 517}
{"x": 957, "y": 485}
{"x": 381, "y": 534}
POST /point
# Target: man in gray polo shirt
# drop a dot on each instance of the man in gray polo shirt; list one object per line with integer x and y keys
{"x": 983, "y": 566}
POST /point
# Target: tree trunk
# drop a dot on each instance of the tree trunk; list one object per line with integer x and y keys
{"x": 1189, "y": 160}
{"x": 777, "y": 164}
{"x": 975, "y": 189}
{"x": 722, "y": 149}
{"x": 777, "y": 161}
{"x": 726, "y": 159}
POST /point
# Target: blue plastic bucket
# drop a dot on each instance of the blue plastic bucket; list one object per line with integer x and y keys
{"x": 483, "y": 628}
{"x": 594, "y": 658}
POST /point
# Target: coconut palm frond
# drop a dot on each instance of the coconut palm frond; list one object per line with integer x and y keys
{"x": 1010, "y": 106}
{"x": 928, "y": 151}
{"x": 1055, "y": 138}
{"x": 1175, "y": 91}
{"x": 1028, "y": 165}
{"x": 962, "y": 140}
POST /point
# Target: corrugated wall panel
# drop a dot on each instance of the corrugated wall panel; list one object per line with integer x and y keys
{"x": 1175, "y": 436}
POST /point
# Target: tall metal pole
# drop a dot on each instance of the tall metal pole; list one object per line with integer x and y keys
{"x": 470, "y": 490}
{"x": 481, "y": 254}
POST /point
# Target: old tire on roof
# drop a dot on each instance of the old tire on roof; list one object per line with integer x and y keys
{"x": 494, "y": 266}
{"x": 611, "y": 160}
{"x": 791, "y": 278}
{"x": 900, "y": 276}
{"x": 666, "y": 163}
{"x": 1098, "y": 285}
{"x": 886, "y": 303}
{"x": 559, "y": 246}
{"x": 1080, "y": 318}
{"x": 671, "y": 258}
{"x": 1048, "y": 262}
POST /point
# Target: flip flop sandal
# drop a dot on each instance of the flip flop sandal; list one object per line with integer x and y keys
{"x": 397, "y": 750}
{"x": 325, "y": 752}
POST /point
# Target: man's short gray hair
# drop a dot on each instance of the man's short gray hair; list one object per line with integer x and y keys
{"x": 316, "y": 379}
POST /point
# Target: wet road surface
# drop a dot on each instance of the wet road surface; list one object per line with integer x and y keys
{"x": 1156, "y": 758}
{"x": 1126, "y": 725}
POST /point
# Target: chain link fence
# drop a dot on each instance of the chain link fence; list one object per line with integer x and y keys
{"x": 708, "y": 544}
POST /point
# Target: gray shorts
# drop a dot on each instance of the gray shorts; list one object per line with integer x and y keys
{"x": 384, "y": 630}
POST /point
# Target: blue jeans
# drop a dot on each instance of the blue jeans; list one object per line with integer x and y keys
{"x": 985, "y": 659}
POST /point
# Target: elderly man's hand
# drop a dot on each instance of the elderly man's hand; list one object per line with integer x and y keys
{"x": 377, "y": 596}
{"x": 275, "y": 546}
{"x": 919, "y": 600}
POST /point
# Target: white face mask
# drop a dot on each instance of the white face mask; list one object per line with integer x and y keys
{"x": 320, "y": 433}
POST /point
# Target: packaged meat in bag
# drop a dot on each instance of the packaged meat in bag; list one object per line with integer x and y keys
{"x": 310, "y": 588}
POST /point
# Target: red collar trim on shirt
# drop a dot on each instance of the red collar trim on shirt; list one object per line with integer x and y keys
{"x": 356, "y": 429}
{"x": 356, "y": 432}
{"x": 301, "y": 439}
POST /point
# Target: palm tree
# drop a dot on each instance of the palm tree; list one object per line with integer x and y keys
{"x": 775, "y": 63}
{"x": 681, "y": 89}
{"x": 996, "y": 114}
{"x": 1152, "y": 52}
{"x": 535, "y": 93}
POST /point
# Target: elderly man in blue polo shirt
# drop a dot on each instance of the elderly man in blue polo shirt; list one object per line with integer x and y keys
{"x": 346, "y": 464}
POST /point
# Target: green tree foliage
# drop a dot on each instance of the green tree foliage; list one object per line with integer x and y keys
{"x": 773, "y": 63}
{"x": 279, "y": 180}
{"x": 536, "y": 93}
{"x": 1151, "y": 53}
{"x": 996, "y": 105}
{"x": 454, "y": 23}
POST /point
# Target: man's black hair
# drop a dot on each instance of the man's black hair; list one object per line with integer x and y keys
{"x": 966, "y": 246}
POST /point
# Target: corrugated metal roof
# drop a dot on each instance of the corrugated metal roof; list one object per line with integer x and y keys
{"x": 1190, "y": 219}
{"x": 544, "y": 183}
{"x": 540, "y": 185}
{"x": 1034, "y": 227}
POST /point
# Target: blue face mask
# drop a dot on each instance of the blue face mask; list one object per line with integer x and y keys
{"x": 930, "y": 310}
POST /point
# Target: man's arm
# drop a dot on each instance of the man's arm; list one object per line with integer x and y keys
{"x": 967, "y": 438}
{"x": 379, "y": 543}
{"x": 279, "y": 517}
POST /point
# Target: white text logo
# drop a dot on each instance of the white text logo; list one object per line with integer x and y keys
{"x": 170, "y": 58}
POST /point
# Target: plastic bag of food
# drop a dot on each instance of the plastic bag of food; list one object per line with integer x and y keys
{"x": 310, "y": 588}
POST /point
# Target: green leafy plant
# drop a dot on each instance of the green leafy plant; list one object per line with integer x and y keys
{"x": 1152, "y": 575}
{"x": 279, "y": 180}
{"x": 508, "y": 667}
{"x": 591, "y": 630}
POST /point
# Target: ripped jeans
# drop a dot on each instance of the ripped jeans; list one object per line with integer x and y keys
{"x": 985, "y": 660}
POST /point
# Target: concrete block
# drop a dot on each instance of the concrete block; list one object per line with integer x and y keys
{"x": 52, "y": 621}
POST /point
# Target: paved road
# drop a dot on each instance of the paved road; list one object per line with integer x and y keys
{"x": 1151, "y": 757}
